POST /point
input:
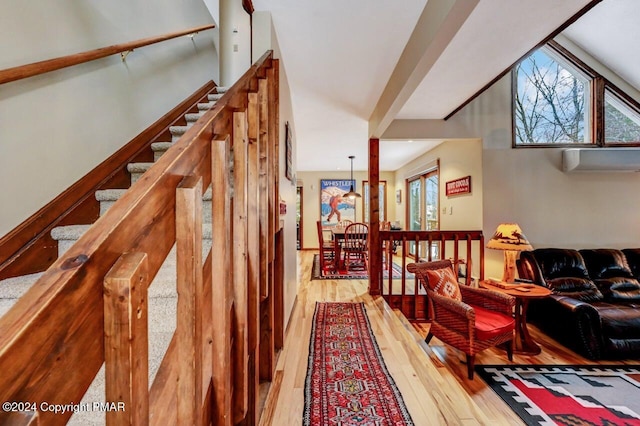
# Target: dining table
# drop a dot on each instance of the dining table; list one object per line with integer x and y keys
{"x": 337, "y": 232}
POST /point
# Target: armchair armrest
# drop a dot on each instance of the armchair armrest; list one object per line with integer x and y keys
{"x": 488, "y": 299}
{"x": 456, "y": 315}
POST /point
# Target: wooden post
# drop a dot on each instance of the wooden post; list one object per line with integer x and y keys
{"x": 273, "y": 75}
{"x": 256, "y": 247}
{"x": 221, "y": 291}
{"x": 266, "y": 344}
{"x": 190, "y": 289}
{"x": 375, "y": 256}
{"x": 126, "y": 340}
{"x": 242, "y": 291}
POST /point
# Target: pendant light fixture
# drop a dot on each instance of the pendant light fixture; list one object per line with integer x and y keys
{"x": 352, "y": 193}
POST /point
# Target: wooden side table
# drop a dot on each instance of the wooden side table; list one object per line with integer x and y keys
{"x": 524, "y": 343}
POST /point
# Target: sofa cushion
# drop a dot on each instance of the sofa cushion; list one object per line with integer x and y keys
{"x": 606, "y": 263}
{"x": 619, "y": 321}
{"x": 560, "y": 263}
{"x": 579, "y": 288}
{"x": 611, "y": 273}
{"x": 633, "y": 260}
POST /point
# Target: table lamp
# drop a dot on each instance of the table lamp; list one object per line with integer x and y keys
{"x": 509, "y": 238}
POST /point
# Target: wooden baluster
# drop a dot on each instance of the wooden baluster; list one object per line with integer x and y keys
{"x": 221, "y": 292}
{"x": 241, "y": 241}
{"x": 190, "y": 289}
{"x": 126, "y": 340}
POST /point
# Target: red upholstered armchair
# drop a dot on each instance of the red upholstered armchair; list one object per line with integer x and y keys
{"x": 469, "y": 319}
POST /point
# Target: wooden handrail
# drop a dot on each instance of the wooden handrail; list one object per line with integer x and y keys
{"x": 60, "y": 320}
{"x": 36, "y": 68}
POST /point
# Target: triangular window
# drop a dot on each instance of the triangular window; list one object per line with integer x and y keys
{"x": 621, "y": 120}
{"x": 552, "y": 100}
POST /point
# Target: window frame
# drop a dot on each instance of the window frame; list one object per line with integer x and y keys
{"x": 597, "y": 84}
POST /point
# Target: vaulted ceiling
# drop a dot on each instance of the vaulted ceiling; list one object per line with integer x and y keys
{"x": 354, "y": 66}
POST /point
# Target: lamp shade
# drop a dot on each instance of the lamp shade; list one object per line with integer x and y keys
{"x": 509, "y": 236}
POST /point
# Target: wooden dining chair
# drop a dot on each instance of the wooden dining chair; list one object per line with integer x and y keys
{"x": 327, "y": 250}
{"x": 356, "y": 245}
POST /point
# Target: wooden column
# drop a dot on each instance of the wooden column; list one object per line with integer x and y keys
{"x": 242, "y": 291}
{"x": 190, "y": 290}
{"x": 375, "y": 255}
{"x": 126, "y": 339}
{"x": 222, "y": 290}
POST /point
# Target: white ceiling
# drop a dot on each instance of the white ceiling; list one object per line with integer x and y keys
{"x": 339, "y": 56}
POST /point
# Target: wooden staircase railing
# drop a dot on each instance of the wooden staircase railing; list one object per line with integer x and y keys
{"x": 89, "y": 307}
{"x": 404, "y": 293}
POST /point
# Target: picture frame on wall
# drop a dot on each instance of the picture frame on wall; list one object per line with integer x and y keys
{"x": 398, "y": 196}
{"x": 382, "y": 197}
{"x": 288, "y": 153}
{"x": 334, "y": 206}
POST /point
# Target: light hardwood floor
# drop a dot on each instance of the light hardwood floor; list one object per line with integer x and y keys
{"x": 432, "y": 379}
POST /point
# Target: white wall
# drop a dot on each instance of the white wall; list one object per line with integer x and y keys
{"x": 458, "y": 159}
{"x": 56, "y": 127}
{"x": 527, "y": 186}
{"x": 235, "y": 41}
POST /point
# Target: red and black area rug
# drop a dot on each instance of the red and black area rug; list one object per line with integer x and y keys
{"x": 347, "y": 381}
{"x": 357, "y": 273}
{"x": 568, "y": 394}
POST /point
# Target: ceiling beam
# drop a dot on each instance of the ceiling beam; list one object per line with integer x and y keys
{"x": 437, "y": 26}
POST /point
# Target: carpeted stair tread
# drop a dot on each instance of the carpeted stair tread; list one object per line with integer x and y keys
{"x": 109, "y": 194}
{"x": 68, "y": 232}
{"x": 193, "y": 117}
{"x": 177, "y": 132}
{"x": 222, "y": 89}
{"x": 205, "y": 106}
{"x": 214, "y": 97}
{"x": 159, "y": 148}
{"x": 138, "y": 167}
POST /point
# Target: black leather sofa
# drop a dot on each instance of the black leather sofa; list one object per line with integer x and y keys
{"x": 594, "y": 307}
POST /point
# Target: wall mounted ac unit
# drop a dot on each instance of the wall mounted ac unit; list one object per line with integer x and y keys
{"x": 601, "y": 160}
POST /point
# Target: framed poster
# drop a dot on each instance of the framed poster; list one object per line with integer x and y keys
{"x": 288, "y": 153}
{"x": 334, "y": 207}
{"x": 382, "y": 200}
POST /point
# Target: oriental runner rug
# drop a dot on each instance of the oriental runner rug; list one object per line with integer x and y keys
{"x": 568, "y": 394}
{"x": 347, "y": 380}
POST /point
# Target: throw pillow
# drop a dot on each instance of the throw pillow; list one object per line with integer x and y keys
{"x": 443, "y": 282}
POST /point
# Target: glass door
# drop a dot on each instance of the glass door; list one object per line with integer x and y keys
{"x": 422, "y": 212}
{"x": 415, "y": 209}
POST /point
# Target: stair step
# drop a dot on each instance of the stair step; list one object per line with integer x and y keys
{"x": 177, "y": 132}
{"x": 159, "y": 148}
{"x": 68, "y": 235}
{"x": 11, "y": 289}
{"x": 107, "y": 197}
{"x": 137, "y": 170}
{"x": 206, "y": 106}
{"x": 192, "y": 117}
{"x": 214, "y": 96}
{"x": 222, "y": 89}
